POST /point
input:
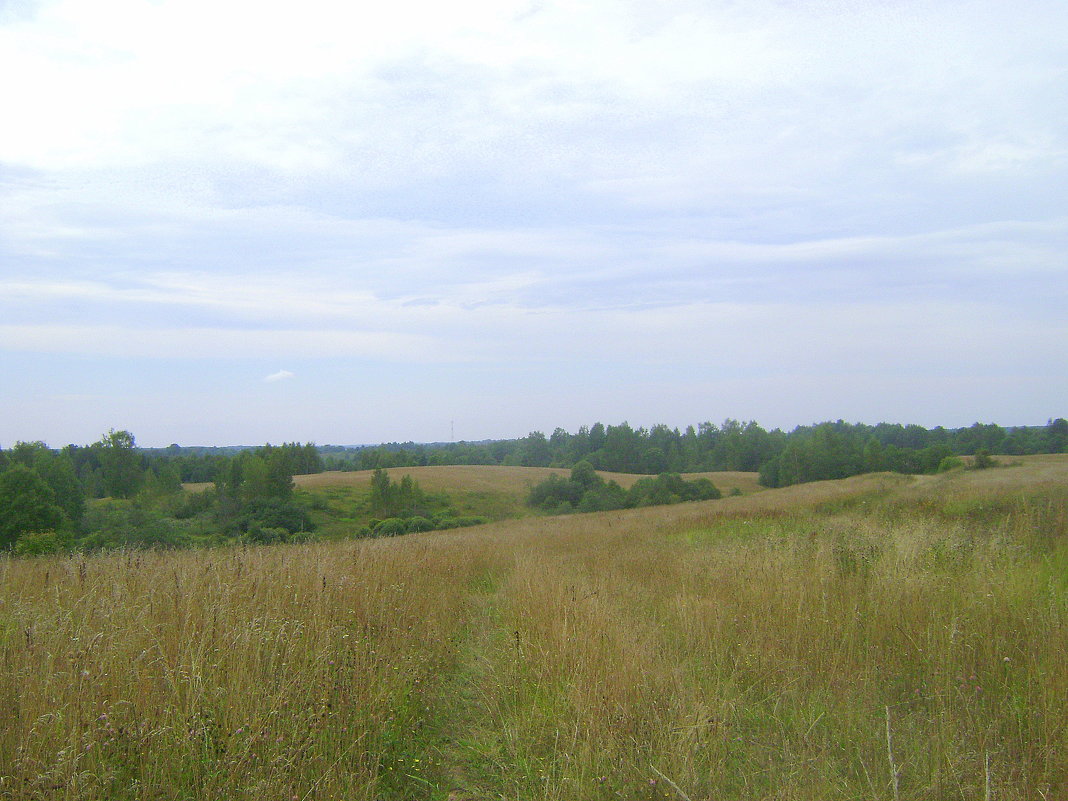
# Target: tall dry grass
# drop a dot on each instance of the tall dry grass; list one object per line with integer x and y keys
{"x": 876, "y": 638}
{"x": 243, "y": 673}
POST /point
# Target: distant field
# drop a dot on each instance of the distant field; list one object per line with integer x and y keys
{"x": 492, "y": 478}
{"x": 501, "y": 479}
{"x": 883, "y": 637}
{"x": 491, "y": 492}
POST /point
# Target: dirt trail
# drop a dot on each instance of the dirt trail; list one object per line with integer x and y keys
{"x": 467, "y": 740}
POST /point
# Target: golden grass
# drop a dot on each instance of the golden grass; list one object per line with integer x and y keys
{"x": 881, "y": 637}
{"x": 491, "y": 478}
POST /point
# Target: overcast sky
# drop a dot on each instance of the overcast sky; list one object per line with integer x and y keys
{"x": 236, "y": 222}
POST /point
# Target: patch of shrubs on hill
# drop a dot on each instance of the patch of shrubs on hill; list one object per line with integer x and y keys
{"x": 395, "y": 526}
{"x": 586, "y": 491}
{"x": 404, "y": 508}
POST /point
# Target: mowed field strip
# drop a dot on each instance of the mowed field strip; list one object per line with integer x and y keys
{"x": 881, "y": 637}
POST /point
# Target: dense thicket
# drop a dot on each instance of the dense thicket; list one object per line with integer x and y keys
{"x": 138, "y": 495}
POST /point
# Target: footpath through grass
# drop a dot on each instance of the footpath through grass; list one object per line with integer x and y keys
{"x": 880, "y": 638}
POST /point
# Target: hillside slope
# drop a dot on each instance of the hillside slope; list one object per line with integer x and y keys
{"x": 884, "y": 637}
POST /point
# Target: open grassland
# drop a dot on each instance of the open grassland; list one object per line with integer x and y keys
{"x": 512, "y": 481}
{"x": 882, "y": 637}
{"x": 338, "y": 500}
{"x": 490, "y": 491}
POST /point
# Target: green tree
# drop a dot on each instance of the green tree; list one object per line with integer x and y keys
{"x": 1057, "y": 435}
{"x": 266, "y": 478}
{"x": 874, "y": 456}
{"x": 121, "y": 464}
{"x": 27, "y": 505}
{"x": 597, "y": 437}
{"x": 622, "y": 449}
{"x": 405, "y": 499}
{"x": 382, "y": 494}
{"x": 57, "y": 469}
{"x": 585, "y": 476}
{"x": 28, "y": 453}
{"x": 536, "y": 451}
{"x": 654, "y": 461}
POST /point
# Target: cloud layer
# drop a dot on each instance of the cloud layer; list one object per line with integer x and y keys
{"x": 558, "y": 207}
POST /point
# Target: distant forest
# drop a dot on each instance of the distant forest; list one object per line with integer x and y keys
{"x": 808, "y": 453}
{"x": 53, "y": 498}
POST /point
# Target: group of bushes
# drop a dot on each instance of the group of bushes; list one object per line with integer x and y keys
{"x": 586, "y": 491}
{"x": 395, "y": 526}
{"x": 50, "y": 500}
{"x": 402, "y": 507}
{"x": 253, "y": 502}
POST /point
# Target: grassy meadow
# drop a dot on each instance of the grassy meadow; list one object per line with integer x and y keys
{"x": 338, "y": 501}
{"x": 510, "y": 481}
{"x": 880, "y": 637}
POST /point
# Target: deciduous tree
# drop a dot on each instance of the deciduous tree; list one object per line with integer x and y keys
{"x": 27, "y": 504}
{"x": 121, "y": 464}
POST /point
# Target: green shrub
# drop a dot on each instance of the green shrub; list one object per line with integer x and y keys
{"x": 127, "y": 524}
{"x": 603, "y": 498}
{"x": 950, "y": 463}
{"x": 257, "y": 535}
{"x": 35, "y": 544}
{"x": 391, "y": 527}
{"x": 191, "y": 504}
{"x": 275, "y": 513}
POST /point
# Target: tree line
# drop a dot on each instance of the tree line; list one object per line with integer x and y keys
{"x": 807, "y": 453}
{"x": 45, "y": 491}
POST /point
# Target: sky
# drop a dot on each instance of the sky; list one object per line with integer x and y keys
{"x": 236, "y": 222}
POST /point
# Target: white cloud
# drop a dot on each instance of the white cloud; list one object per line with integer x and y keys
{"x": 281, "y": 375}
{"x": 190, "y": 343}
{"x": 487, "y": 183}
{"x": 412, "y": 88}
